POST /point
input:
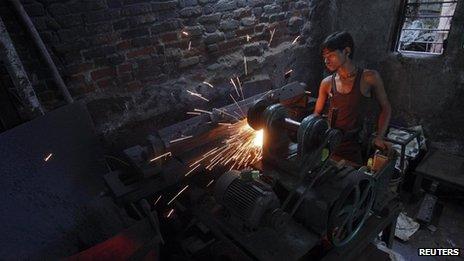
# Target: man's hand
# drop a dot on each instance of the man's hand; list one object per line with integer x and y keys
{"x": 380, "y": 143}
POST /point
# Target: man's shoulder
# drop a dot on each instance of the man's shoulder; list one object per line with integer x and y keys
{"x": 370, "y": 76}
{"x": 326, "y": 83}
{"x": 327, "y": 80}
{"x": 370, "y": 72}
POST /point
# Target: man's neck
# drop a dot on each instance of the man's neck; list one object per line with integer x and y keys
{"x": 346, "y": 70}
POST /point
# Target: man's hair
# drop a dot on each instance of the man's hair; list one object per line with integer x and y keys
{"x": 338, "y": 41}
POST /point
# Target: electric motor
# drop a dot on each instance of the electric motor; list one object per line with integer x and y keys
{"x": 247, "y": 199}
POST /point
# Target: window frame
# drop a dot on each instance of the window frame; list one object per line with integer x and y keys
{"x": 403, "y": 5}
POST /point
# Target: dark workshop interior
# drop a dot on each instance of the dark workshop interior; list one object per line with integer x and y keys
{"x": 231, "y": 130}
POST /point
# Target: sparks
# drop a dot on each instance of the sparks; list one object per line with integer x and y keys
{"x": 190, "y": 171}
{"x": 48, "y": 157}
{"x": 272, "y": 36}
{"x": 241, "y": 149}
{"x": 185, "y": 33}
{"x": 228, "y": 114}
{"x": 193, "y": 113}
{"x": 198, "y": 110}
{"x": 248, "y": 38}
{"x": 287, "y": 74}
{"x": 204, "y": 156}
{"x": 158, "y": 199}
{"x": 235, "y": 86}
{"x": 308, "y": 92}
{"x": 296, "y": 39}
{"x": 209, "y": 84}
{"x": 170, "y": 213}
{"x": 180, "y": 139}
{"x": 190, "y": 45}
{"x": 160, "y": 156}
{"x": 178, "y": 194}
{"x": 240, "y": 86}
{"x": 197, "y": 95}
{"x": 245, "y": 64}
{"x": 211, "y": 182}
{"x": 236, "y": 103}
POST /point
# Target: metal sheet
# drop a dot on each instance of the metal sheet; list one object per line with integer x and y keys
{"x": 51, "y": 208}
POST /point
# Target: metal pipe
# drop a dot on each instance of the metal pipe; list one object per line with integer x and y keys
{"x": 291, "y": 124}
{"x": 42, "y": 49}
{"x": 22, "y": 86}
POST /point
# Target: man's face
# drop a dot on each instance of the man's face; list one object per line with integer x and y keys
{"x": 333, "y": 59}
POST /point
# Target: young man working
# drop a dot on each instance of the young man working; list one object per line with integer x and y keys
{"x": 348, "y": 90}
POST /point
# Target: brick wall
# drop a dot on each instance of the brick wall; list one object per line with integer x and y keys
{"x": 121, "y": 56}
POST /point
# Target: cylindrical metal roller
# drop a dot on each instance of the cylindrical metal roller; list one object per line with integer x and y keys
{"x": 262, "y": 115}
{"x": 255, "y": 114}
{"x": 274, "y": 116}
{"x": 311, "y": 132}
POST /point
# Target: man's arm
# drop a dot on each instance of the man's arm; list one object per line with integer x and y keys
{"x": 375, "y": 81}
{"x": 322, "y": 97}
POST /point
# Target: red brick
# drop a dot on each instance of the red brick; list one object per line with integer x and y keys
{"x": 125, "y": 77}
{"x": 182, "y": 44}
{"x": 82, "y": 89}
{"x": 245, "y": 14}
{"x": 134, "y": 86}
{"x": 77, "y": 79}
{"x": 280, "y": 39}
{"x": 258, "y": 37}
{"x": 105, "y": 39}
{"x": 141, "y": 52}
{"x": 105, "y": 83}
{"x": 125, "y": 67}
{"x": 245, "y": 31}
{"x": 169, "y": 37}
{"x": 232, "y": 43}
{"x": 259, "y": 28}
{"x": 124, "y": 45}
{"x": 102, "y": 73}
{"x": 79, "y": 68}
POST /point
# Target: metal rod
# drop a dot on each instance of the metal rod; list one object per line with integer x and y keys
{"x": 42, "y": 49}
{"x": 429, "y": 16}
{"x": 432, "y": 3}
{"x": 291, "y": 124}
{"x": 424, "y": 29}
{"x": 423, "y": 42}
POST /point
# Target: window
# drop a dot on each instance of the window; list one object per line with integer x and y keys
{"x": 425, "y": 26}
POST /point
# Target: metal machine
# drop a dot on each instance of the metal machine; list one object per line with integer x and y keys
{"x": 295, "y": 203}
{"x": 331, "y": 201}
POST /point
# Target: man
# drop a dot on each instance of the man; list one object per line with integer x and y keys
{"x": 348, "y": 90}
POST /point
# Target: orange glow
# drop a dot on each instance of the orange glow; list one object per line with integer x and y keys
{"x": 258, "y": 139}
{"x": 241, "y": 149}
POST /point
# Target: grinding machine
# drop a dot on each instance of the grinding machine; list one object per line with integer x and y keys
{"x": 296, "y": 203}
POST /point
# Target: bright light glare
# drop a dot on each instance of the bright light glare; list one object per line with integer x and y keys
{"x": 258, "y": 139}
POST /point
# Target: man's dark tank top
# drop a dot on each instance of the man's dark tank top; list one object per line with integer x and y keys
{"x": 351, "y": 107}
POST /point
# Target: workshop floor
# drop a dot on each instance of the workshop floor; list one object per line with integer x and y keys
{"x": 447, "y": 230}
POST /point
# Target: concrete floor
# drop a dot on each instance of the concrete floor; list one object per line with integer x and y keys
{"x": 449, "y": 223}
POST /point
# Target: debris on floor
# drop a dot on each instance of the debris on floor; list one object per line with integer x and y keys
{"x": 405, "y": 227}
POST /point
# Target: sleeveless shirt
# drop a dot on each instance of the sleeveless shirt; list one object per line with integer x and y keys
{"x": 351, "y": 108}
